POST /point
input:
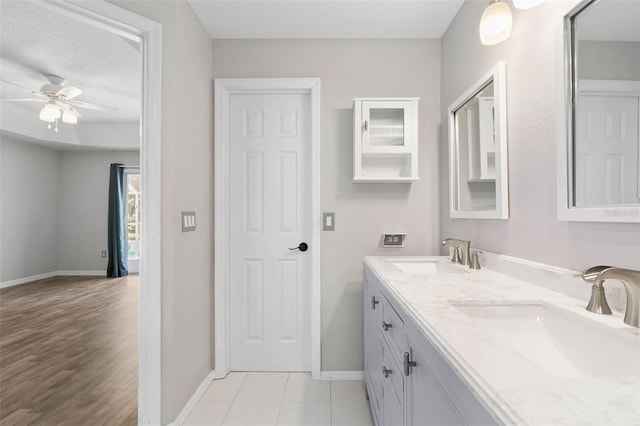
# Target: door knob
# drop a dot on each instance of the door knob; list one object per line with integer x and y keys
{"x": 301, "y": 247}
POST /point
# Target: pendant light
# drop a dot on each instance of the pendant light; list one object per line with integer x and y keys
{"x": 495, "y": 25}
{"x": 526, "y": 4}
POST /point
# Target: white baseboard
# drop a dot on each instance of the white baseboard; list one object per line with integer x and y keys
{"x": 24, "y": 280}
{"x": 32, "y": 278}
{"x": 342, "y": 375}
{"x": 195, "y": 398}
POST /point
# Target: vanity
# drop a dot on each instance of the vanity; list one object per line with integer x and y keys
{"x": 449, "y": 345}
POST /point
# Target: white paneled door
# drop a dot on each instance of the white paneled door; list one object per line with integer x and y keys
{"x": 270, "y": 206}
{"x": 607, "y": 153}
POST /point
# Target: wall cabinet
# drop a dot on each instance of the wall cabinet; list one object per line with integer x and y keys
{"x": 407, "y": 380}
{"x": 385, "y": 139}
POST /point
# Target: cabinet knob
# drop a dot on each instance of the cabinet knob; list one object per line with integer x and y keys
{"x": 374, "y": 302}
{"x": 385, "y": 371}
{"x": 386, "y": 326}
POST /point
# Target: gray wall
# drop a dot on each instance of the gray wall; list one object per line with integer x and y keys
{"x": 609, "y": 60}
{"x": 83, "y": 194}
{"x": 348, "y": 69}
{"x": 187, "y": 184}
{"x": 54, "y": 208}
{"x": 532, "y": 55}
{"x": 28, "y": 193}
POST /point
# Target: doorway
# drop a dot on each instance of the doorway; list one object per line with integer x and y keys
{"x": 148, "y": 34}
{"x": 134, "y": 223}
{"x": 252, "y": 180}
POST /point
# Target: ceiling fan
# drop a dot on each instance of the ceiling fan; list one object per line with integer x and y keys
{"x": 59, "y": 100}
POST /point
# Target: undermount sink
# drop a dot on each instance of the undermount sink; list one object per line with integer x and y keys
{"x": 561, "y": 342}
{"x": 425, "y": 267}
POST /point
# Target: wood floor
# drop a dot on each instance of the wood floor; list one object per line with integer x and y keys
{"x": 69, "y": 352}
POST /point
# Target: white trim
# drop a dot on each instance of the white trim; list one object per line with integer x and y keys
{"x": 223, "y": 90}
{"x": 497, "y": 74}
{"x": 195, "y": 398}
{"x": 341, "y": 376}
{"x": 32, "y": 278}
{"x": 149, "y": 33}
{"x": 25, "y": 280}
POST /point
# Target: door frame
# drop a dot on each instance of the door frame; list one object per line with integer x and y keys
{"x": 224, "y": 88}
{"x": 148, "y": 33}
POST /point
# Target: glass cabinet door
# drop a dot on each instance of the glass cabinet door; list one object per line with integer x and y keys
{"x": 386, "y": 127}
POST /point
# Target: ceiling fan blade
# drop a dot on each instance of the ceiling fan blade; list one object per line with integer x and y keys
{"x": 69, "y": 92}
{"x": 87, "y": 105}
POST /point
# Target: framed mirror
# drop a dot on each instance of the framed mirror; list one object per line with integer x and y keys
{"x": 599, "y": 156}
{"x": 478, "y": 178}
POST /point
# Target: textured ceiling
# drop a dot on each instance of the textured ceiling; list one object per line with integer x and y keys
{"x": 311, "y": 19}
{"x": 35, "y": 41}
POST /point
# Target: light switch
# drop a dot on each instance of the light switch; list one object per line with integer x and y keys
{"x": 328, "y": 221}
{"x": 188, "y": 221}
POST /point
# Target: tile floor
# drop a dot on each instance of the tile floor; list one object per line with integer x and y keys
{"x": 291, "y": 399}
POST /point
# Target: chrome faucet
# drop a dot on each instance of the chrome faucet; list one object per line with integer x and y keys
{"x": 460, "y": 250}
{"x": 631, "y": 281}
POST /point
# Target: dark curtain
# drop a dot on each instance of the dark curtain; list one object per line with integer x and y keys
{"x": 117, "y": 238}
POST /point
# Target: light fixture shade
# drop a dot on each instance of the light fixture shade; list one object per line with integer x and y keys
{"x": 70, "y": 117}
{"x": 495, "y": 25}
{"x": 526, "y": 4}
{"x": 49, "y": 113}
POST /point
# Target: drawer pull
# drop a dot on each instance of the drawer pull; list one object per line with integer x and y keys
{"x": 407, "y": 363}
{"x": 374, "y": 302}
{"x": 385, "y": 371}
{"x": 386, "y": 326}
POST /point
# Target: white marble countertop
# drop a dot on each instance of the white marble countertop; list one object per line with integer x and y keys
{"x": 512, "y": 382}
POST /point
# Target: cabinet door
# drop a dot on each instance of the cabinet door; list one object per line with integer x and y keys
{"x": 425, "y": 401}
{"x": 386, "y": 127}
{"x": 372, "y": 342}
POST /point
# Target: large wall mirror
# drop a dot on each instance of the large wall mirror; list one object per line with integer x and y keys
{"x": 478, "y": 183}
{"x": 599, "y": 176}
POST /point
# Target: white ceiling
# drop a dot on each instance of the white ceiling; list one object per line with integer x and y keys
{"x": 313, "y": 19}
{"x": 35, "y": 41}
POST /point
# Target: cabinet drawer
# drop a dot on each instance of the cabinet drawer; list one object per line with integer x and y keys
{"x": 392, "y": 328}
{"x": 391, "y": 375}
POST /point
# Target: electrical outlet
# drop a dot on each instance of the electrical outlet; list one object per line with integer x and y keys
{"x": 103, "y": 253}
{"x": 393, "y": 240}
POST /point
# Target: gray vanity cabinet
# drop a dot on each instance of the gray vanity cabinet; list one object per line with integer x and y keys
{"x": 372, "y": 311}
{"x": 425, "y": 400}
{"x": 408, "y": 382}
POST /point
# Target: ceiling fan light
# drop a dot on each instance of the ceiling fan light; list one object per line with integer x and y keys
{"x": 495, "y": 25}
{"x": 70, "y": 117}
{"x": 49, "y": 112}
{"x": 526, "y": 4}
